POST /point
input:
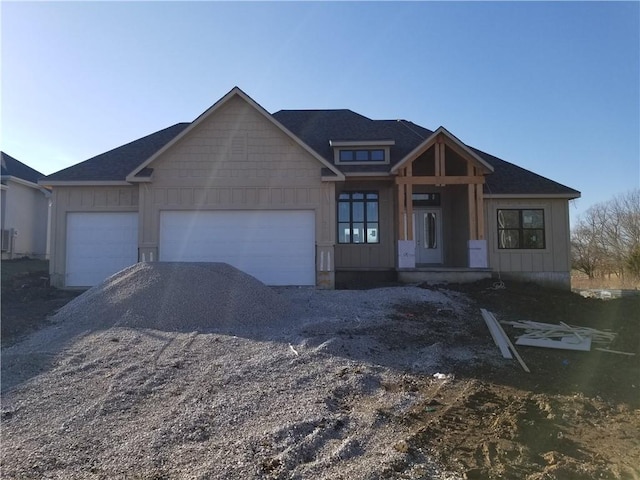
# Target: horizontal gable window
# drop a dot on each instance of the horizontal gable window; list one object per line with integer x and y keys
{"x": 362, "y": 155}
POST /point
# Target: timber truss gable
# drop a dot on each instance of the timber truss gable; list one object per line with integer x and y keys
{"x": 439, "y": 161}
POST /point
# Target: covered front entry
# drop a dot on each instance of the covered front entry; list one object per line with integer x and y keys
{"x": 440, "y": 205}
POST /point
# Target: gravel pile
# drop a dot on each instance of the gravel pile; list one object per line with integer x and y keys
{"x": 161, "y": 372}
{"x": 181, "y": 297}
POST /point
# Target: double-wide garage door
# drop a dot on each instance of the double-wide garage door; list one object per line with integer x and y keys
{"x": 277, "y": 247}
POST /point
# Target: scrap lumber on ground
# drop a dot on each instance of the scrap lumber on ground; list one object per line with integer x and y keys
{"x": 501, "y": 339}
{"x": 562, "y": 335}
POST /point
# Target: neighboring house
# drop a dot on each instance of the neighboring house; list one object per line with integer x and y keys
{"x": 307, "y": 197}
{"x": 25, "y": 210}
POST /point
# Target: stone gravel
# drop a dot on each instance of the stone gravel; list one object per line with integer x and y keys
{"x": 201, "y": 371}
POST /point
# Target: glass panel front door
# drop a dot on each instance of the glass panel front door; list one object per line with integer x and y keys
{"x": 427, "y": 228}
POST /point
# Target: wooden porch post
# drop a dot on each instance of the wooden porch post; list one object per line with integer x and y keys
{"x": 439, "y": 159}
{"x": 409, "y": 200}
{"x": 480, "y": 210}
{"x": 401, "y": 208}
{"x": 473, "y": 209}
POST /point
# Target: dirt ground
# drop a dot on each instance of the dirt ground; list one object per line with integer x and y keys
{"x": 27, "y": 300}
{"x": 575, "y": 416}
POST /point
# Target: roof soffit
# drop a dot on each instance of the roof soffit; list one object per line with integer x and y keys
{"x": 210, "y": 111}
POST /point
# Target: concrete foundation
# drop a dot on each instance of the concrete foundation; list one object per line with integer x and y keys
{"x": 561, "y": 280}
{"x": 443, "y": 275}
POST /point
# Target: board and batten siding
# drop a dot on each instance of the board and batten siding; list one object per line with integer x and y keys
{"x": 236, "y": 159}
{"x": 370, "y": 256}
{"x": 551, "y": 265}
{"x": 82, "y": 199}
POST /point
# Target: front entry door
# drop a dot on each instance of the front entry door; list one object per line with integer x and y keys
{"x": 427, "y": 228}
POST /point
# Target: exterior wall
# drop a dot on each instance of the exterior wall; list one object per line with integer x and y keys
{"x": 370, "y": 256}
{"x": 25, "y": 210}
{"x": 82, "y": 199}
{"x": 3, "y": 204}
{"x": 236, "y": 159}
{"x": 550, "y": 265}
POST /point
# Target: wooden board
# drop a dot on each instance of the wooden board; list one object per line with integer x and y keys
{"x": 569, "y": 342}
{"x": 489, "y": 319}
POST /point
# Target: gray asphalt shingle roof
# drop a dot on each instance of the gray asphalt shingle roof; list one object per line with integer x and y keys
{"x": 316, "y": 128}
{"x": 15, "y": 168}
{"x": 116, "y": 164}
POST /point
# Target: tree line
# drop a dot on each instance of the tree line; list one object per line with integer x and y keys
{"x": 606, "y": 238}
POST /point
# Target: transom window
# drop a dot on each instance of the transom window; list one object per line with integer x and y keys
{"x": 358, "y": 217}
{"x": 374, "y": 155}
{"x": 521, "y": 229}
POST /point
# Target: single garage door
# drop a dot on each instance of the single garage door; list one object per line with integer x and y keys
{"x": 99, "y": 245}
{"x": 276, "y": 247}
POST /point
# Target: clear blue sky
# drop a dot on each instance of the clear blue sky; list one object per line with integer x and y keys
{"x": 552, "y": 87}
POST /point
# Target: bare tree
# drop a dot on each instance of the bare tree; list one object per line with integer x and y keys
{"x": 607, "y": 238}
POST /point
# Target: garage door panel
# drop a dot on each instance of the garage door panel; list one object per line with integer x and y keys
{"x": 277, "y": 247}
{"x": 99, "y": 245}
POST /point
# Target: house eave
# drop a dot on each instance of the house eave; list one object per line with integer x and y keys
{"x": 21, "y": 181}
{"x": 362, "y": 143}
{"x": 83, "y": 183}
{"x": 368, "y": 174}
{"x": 140, "y": 180}
{"x": 518, "y": 196}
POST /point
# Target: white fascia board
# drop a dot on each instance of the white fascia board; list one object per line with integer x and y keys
{"x": 368, "y": 174}
{"x": 83, "y": 183}
{"x": 216, "y": 106}
{"x": 140, "y": 180}
{"x": 361, "y": 143}
{"x": 332, "y": 178}
{"x": 21, "y": 181}
{"x": 524, "y": 196}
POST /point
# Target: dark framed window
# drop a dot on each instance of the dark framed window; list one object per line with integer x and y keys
{"x": 358, "y": 217}
{"x": 521, "y": 228}
{"x": 376, "y": 155}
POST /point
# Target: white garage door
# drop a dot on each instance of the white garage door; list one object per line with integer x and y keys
{"x": 276, "y": 247}
{"x": 99, "y": 245}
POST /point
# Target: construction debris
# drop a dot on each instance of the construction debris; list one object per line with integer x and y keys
{"x": 562, "y": 336}
{"x": 501, "y": 339}
{"x": 497, "y": 336}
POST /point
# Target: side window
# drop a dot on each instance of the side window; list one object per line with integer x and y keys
{"x": 358, "y": 217}
{"x": 521, "y": 229}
